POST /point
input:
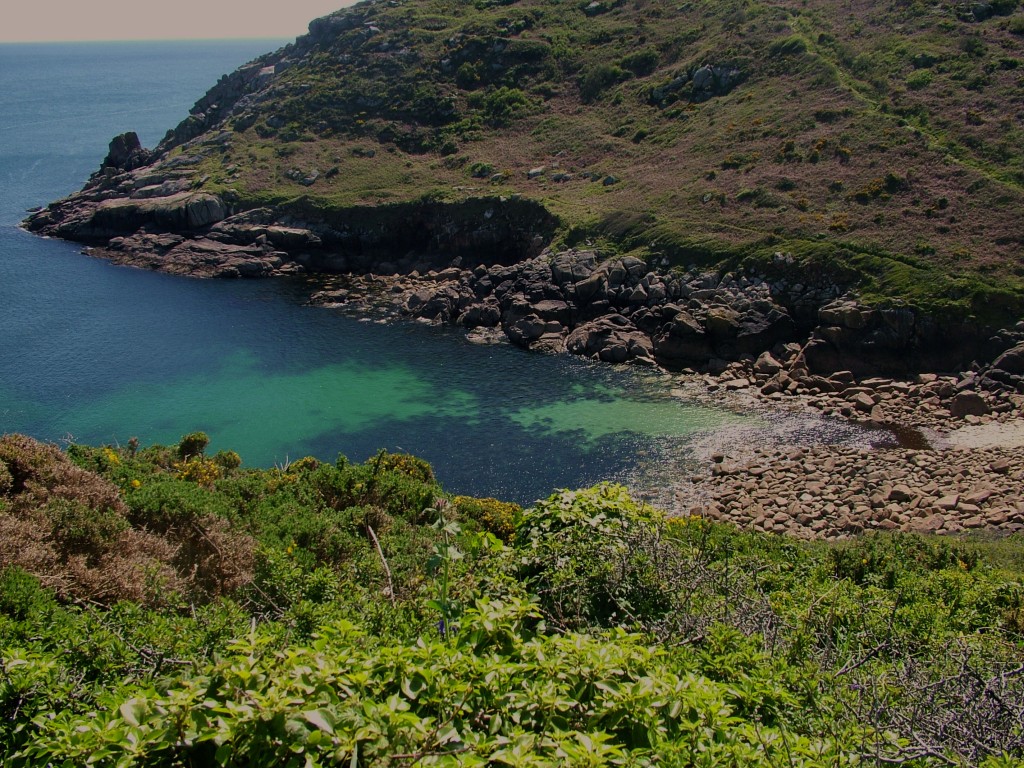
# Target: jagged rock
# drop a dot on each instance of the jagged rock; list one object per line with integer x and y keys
{"x": 553, "y": 309}
{"x": 682, "y": 342}
{"x": 572, "y": 267}
{"x": 722, "y": 322}
{"x": 611, "y": 338}
{"x": 176, "y": 213}
{"x": 526, "y": 329}
{"x": 126, "y": 153}
{"x": 863, "y": 402}
{"x": 844, "y": 313}
{"x": 486, "y": 314}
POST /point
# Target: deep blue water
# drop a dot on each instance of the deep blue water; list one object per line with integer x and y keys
{"x": 95, "y": 353}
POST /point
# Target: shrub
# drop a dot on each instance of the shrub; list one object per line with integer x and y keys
{"x": 501, "y": 106}
{"x": 481, "y": 170}
{"x": 40, "y": 472}
{"x": 79, "y": 528}
{"x": 493, "y": 516}
{"x": 642, "y": 62}
{"x": 404, "y": 464}
{"x": 199, "y": 470}
{"x": 162, "y": 504}
{"x": 227, "y": 460}
{"x": 879, "y": 560}
{"x": 919, "y": 79}
{"x": 589, "y": 555}
{"x": 973, "y": 46}
{"x": 21, "y": 595}
{"x": 193, "y": 444}
{"x": 598, "y": 79}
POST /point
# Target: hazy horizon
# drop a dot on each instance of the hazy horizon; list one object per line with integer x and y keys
{"x": 63, "y": 21}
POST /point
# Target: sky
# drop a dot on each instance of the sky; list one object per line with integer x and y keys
{"x": 63, "y": 20}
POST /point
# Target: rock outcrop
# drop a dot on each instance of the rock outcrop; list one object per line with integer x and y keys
{"x": 621, "y": 310}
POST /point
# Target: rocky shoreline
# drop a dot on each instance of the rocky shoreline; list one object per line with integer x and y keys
{"x": 623, "y": 310}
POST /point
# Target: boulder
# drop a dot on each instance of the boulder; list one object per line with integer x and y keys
{"x": 722, "y": 322}
{"x": 968, "y": 404}
{"x": 525, "y": 330}
{"x": 683, "y": 341}
{"x": 571, "y": 267}
{"x": 552, "y": 309}
{"x": 611, "y": 338}
{"x": 1011, "y": 361}
{"x": 759, "y": 331}
{"x": 766, "y": 364}
{"x": 486, "y": 314}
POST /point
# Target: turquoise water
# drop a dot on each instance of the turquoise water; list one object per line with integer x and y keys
{"x": 95, "y": 353}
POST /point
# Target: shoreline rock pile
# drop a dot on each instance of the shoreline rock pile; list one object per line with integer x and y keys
{"x": 834, "y": 492}
{"x": 939, "y": 403}
{"x": 621, "y": 310}
{"x": 616, "y": 310}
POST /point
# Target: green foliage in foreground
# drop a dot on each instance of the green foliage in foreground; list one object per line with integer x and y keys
{"x": 382, "y": 623}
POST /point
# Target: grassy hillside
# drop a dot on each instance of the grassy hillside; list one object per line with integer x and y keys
{"x": 882, "y": 139}
{"x": 165, "y": 607}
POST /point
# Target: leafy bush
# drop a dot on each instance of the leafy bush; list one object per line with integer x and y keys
{"x": 162, "y": 504}
{"x": 755, "y": 649}
{"x": 21, "y": 595}
{"x": 919, "y": 79}
{"x": 880, "y": 559}
{"x": 227, "y": 460}
{"x": 79, "y": 528}
{"x": 485, "y": 696}
{"x": 587, "y": 555}
{"x": 501, "y": 106}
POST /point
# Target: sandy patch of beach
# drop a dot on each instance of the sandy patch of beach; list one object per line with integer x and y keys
{"x": 1008, "y": 434}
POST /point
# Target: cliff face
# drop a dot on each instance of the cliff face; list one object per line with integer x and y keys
{"x": 868, "y": 147}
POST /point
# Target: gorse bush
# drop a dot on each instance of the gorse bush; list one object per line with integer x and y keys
{"x": 492, "y": 515}
{"x": 317, "y": 614}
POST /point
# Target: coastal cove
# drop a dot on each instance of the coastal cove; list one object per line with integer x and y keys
{"x": 97, "y": 353}
{"x": 464, "y": 384}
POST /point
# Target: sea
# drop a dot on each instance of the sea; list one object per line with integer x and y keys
{"x": 95, "y": 353}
